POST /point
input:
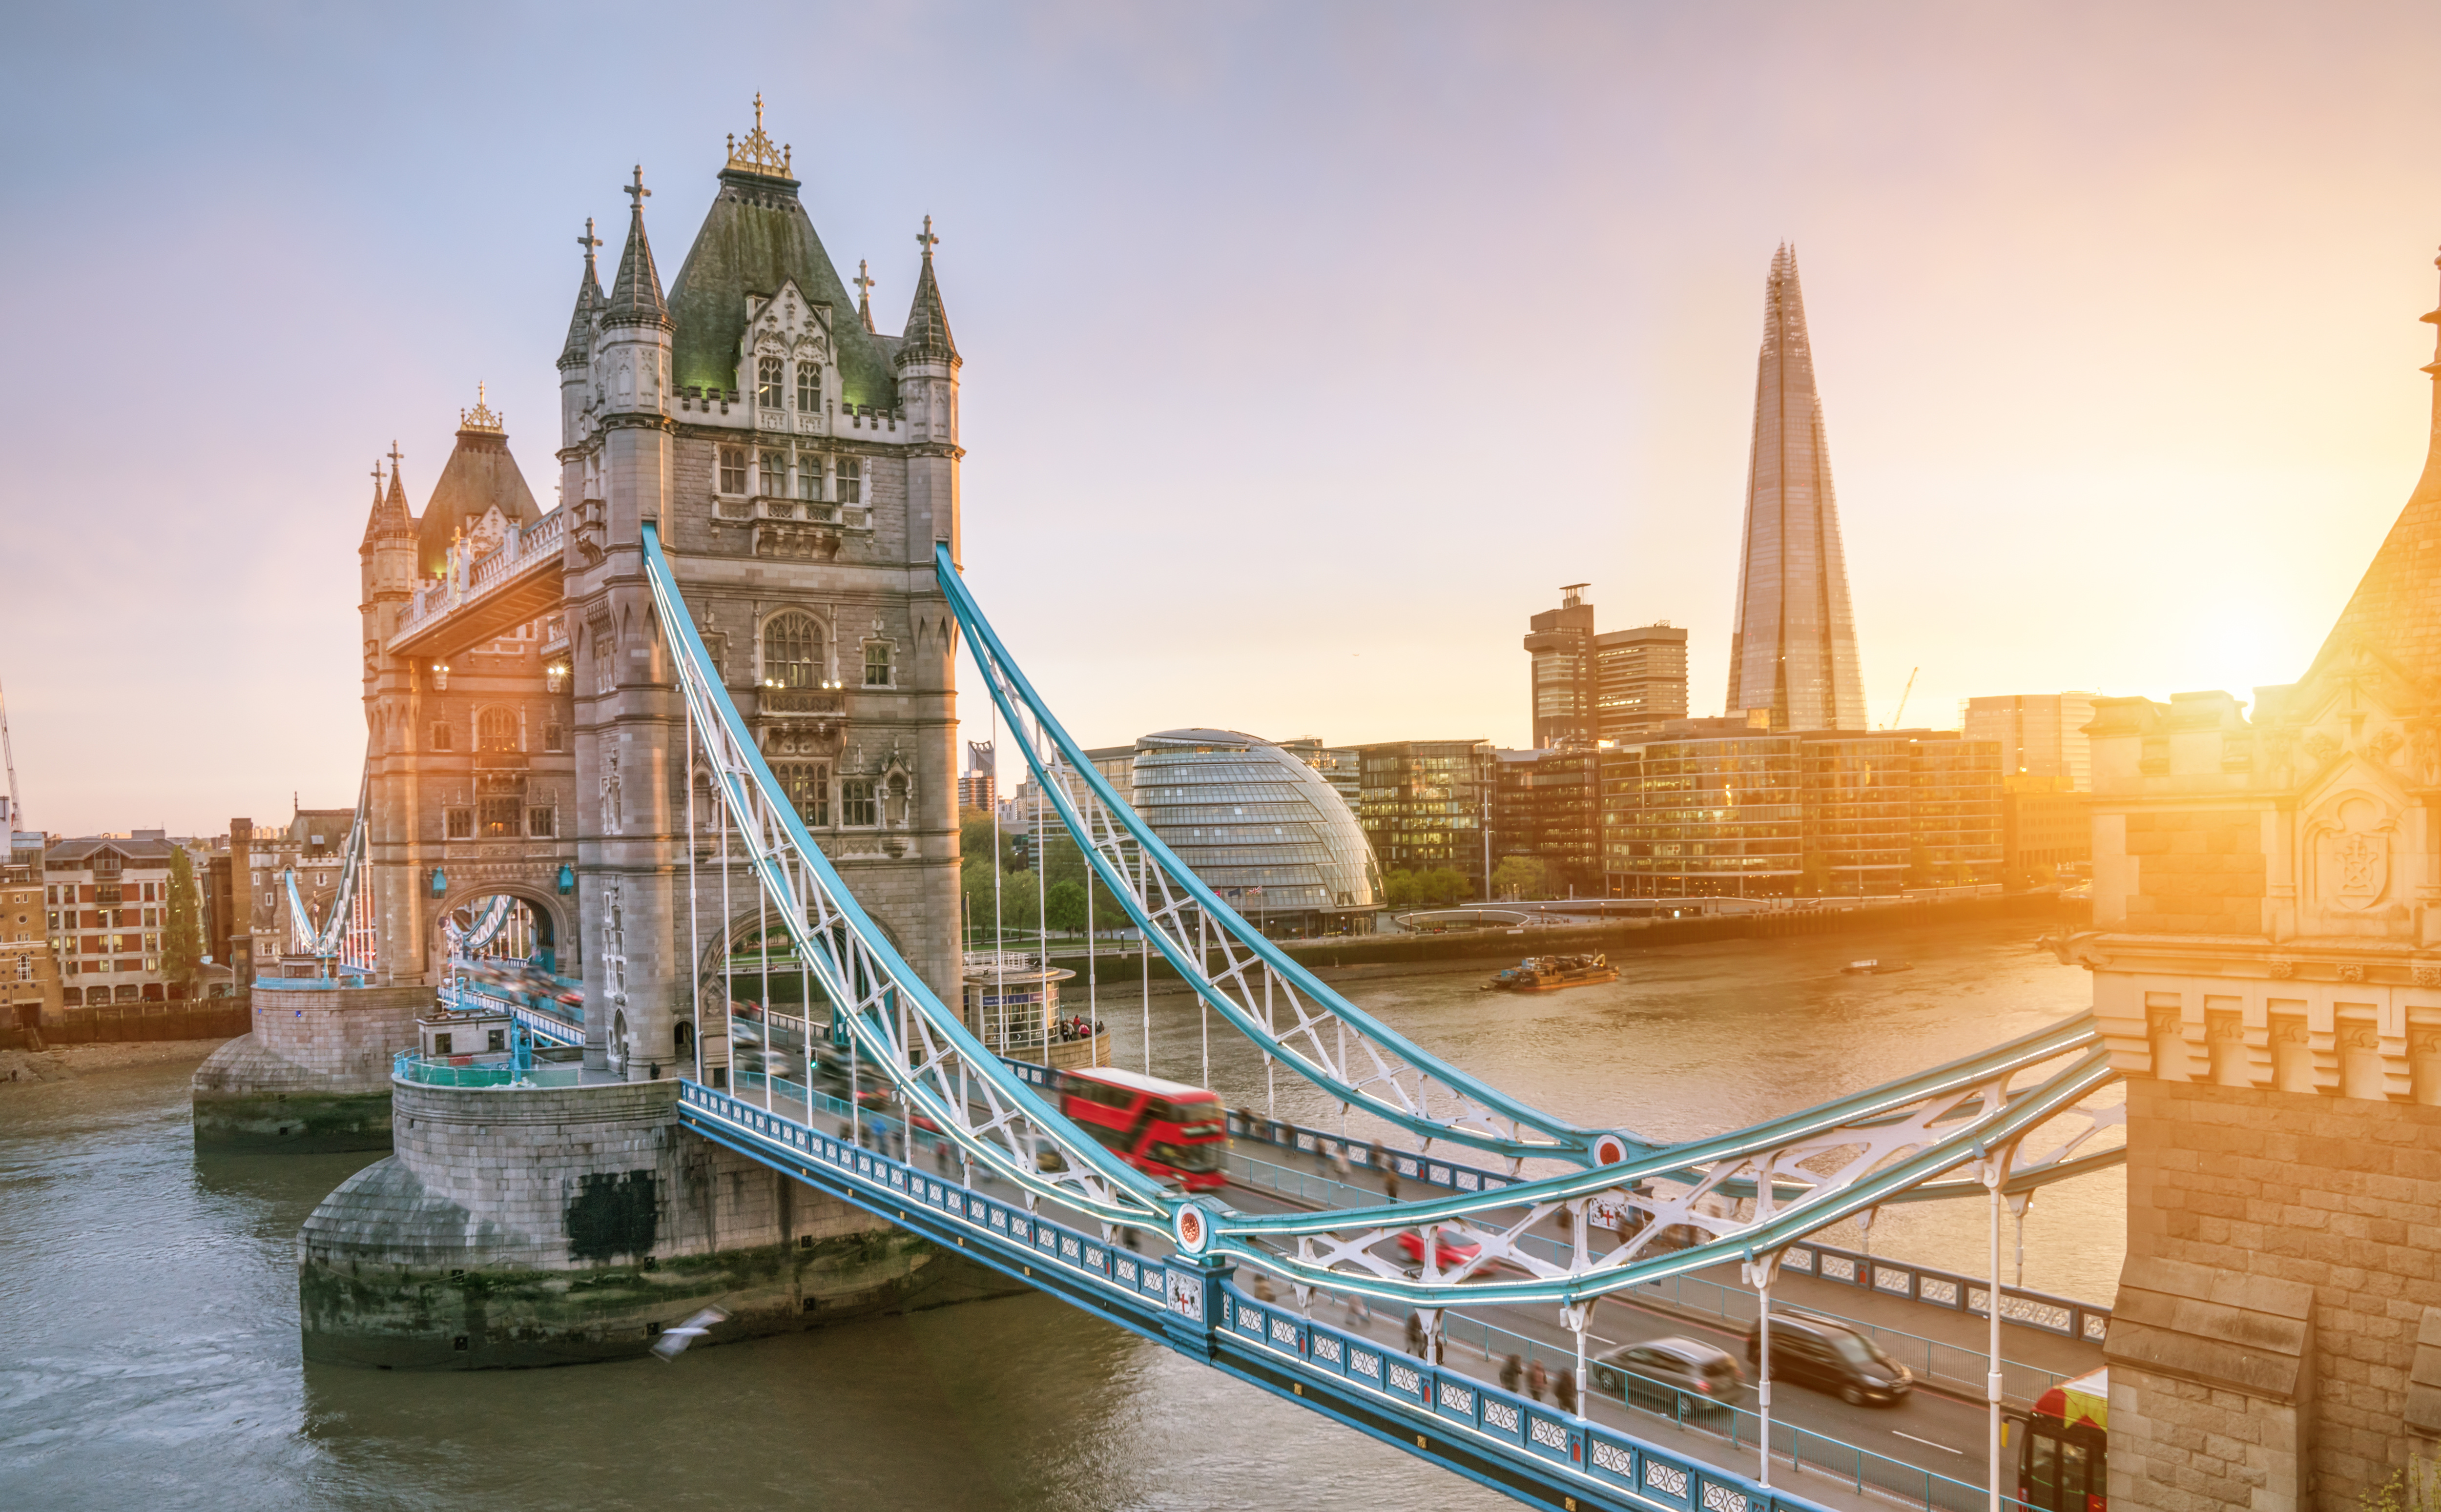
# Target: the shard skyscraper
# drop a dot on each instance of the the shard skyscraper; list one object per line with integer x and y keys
{"x": 1793, "y": 653}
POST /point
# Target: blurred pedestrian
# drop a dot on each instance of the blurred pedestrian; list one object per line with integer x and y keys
{"x": 1536, "y": 1379}
{"x": 1262, "y": 1287}
{"x": 1415, "y": 1336}
{"x": 1513, "y": 1370}
{"x": 1563, "y": 1391}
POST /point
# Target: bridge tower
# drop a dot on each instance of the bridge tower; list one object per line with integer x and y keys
{"x": 2267, "y": 959}
{"x": 799, "y": 468}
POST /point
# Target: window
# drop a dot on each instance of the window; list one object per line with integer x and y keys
{"x": 496, "y": 729}
{"x": 851, "y": 479}
{"x": 809, "y": 479}
{"x": 497, "y": 816}
{"x": 792, "y": 651}
{"x": 460, "y": 827}
{"x": 554, "y": 738}
{"x": 72, "y": 997}
{"x": 542, "y": 823}
{"x": 440, "y": 737}
{"x": 767, "y": 381}
{"x": 809, "y": 386}
{"x": 775, "y": 476}
{"x": 856, "y": 804}
{"x": 876, "y": 663}
{"x": 808, "y": 787}
{"x": 732, "y": 469}
{"x": 442, "y": 1044}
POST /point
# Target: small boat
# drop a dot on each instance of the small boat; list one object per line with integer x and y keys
{"x": 1875, "y": 967}
{"x": 1551, "y": 973}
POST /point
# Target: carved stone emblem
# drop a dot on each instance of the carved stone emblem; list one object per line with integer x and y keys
{"x": 2281, "y": 971}
{"x": 2352, "y": 973}
{"x": 2425, "y": 976}
{"x": 2352, "y": 855}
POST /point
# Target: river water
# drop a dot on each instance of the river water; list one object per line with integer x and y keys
{"x": 149, "y": 1356}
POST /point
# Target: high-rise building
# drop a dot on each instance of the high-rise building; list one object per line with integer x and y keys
{"x": 2040, "y": 734}
{"x": 1639, "y": 679}
{"x": 1337, "y": 764}
{"x": 1561, "y": 641}
{"x": 1774, "y": 813}
{"x": 1546, "y": 806}
{"x": 1423, "y": 804}
{"x": 1793, "y": 648}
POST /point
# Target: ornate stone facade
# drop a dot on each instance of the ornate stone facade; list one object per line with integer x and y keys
{"x": 2267, "y": 958}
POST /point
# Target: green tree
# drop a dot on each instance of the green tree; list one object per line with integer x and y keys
{"x": 1445, "y": 885}
{"x": 182, "y": 930}
{"x": 1523, "y": 876}
{"x": 1064, "y": 909}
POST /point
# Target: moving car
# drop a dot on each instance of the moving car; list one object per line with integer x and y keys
{"x": 1658, "y": 1372}
{"x": 1830, "y": 1356}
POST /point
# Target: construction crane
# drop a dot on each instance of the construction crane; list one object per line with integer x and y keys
{"x": 1896, "y": 720}
{"x": 13, "y": 811}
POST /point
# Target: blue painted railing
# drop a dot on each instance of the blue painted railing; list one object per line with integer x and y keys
{"x": 1515, "y": 1445}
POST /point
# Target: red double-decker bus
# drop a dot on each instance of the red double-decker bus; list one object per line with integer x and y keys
{"x": 1167, "y": 1129}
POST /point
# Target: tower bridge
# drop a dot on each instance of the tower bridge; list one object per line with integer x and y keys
{"x": 711, "y": 696}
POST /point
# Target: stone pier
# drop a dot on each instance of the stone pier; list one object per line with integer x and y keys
{"x": 517, "y": 1227}
{"x": 313, "y": 1073}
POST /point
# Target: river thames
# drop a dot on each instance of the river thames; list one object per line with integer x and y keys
{"x": 149, "y": 1353}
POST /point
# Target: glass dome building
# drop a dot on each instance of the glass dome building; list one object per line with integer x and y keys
{"x": 1260, "y": 827}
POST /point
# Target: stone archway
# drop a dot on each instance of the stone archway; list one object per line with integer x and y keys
{"x": 553, "y": 922}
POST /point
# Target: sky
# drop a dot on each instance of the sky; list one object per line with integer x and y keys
{"x": 1309, "y": 346}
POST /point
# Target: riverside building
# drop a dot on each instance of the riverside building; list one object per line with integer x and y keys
{"x": 1547, "y": 806}
{"x": 1842, "y": 812}
{"x": 1423, "y": 804}
{"x": 1257, "y": 824}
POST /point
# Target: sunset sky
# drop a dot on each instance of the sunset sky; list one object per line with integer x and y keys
{"x": 1309, "y": 347}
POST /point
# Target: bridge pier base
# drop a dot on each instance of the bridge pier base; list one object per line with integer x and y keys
{"x": 312, "y": 1075}
{"x": 518, "y": 1227}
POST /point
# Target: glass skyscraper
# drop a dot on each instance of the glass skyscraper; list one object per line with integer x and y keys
{"x": 1260, "y": 826}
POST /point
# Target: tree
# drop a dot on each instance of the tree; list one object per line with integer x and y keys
{"x": 182, "y": 932}
{"x": 1522, "y": 876}
{"x": 1064, "y": 909}
{"x": 1399, "y": 889}
{"x": 1445, "y": 885}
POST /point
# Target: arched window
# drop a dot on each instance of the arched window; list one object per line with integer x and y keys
{"x": 809, "y": 386}
{"x": 496, "y": 729}
{"x": 767, "y": 381}
{"x": 792, "y": 651}
{"x": 876, "y": 663}
{"x": 440, "y": 737}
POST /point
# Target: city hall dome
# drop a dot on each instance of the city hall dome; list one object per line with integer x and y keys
{"x": 1260, "y": 826}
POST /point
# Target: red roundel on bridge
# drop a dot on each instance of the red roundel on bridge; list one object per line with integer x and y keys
{"x": 1609, "y": 1150}
{"x": 1190, "y": 1229}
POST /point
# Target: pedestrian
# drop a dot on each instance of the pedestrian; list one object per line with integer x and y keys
{"x": 1513, "y": 1370}
{"x": 1562, "y": 1218}
{"x": 1262, "y": 1287}
{"x": 1127, "y": 1237}
{"x": 1415, "y": 1336}
{"x": 1563, "y": 1391}
{"x": 1359, "y": 1311}
{"x": 1536, "y": 1379}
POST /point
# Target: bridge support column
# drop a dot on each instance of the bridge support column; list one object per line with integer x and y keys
{"x": 549, "y": 1225}
{"x": 313, "y": 1073}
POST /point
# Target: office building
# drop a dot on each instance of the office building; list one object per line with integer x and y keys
{"x": 1792, "y": 653}
{"x": 1639, "y": 680}
{"x": 1337, "y": 764}
{"x": 1423, "y": 803}
{"x": 1561, "y": 641}
{"x": 1546, "y": 806}
{"x": 2040, "y": 734}
{"x": 1764, "y": 813}
{"x": 2046, "y": 826}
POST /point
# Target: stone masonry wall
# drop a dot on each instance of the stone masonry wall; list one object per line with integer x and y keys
{"x": 2197, "y": 873}
{"x": 2341, "y": 1195}
{"x": 312, "y": 1074}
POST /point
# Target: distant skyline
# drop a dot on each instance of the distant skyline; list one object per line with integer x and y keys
{"x": 1308, "y": 350}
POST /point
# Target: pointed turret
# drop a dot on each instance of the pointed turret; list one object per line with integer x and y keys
{"x": 578, "y": 349}
{"x": 1794, "y": 650}
{"x": 389, "y": 516}
{"x": 863, "y": 281}
{"x": 2397, "y": 607}
{"x": 928, "y": 325}
{"x": 636, "y": 291}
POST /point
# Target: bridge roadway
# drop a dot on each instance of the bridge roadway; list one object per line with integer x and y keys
{"x": 1926, "y": 1451}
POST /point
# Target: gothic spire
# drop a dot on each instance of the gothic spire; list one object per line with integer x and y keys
{"x": 390, "y": 515}
{"x": 1794, "y": 650}
{"x": 636, "y": 291}
{"x": 927, "y": 337}
{"x": 579, "y": 347}
{"x": 863, "y": 281}
{"x": 2392, "y": 610}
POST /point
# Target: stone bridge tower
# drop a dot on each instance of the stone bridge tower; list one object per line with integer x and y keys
{"x": 799, "y": 467}
{"x": 2266, "y": 960}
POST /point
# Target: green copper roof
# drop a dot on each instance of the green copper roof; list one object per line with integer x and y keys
{"x": 755, "y": 238}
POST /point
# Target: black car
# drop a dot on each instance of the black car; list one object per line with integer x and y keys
{"x": 1830, "y": 1356}
{"x": 1659, "y": 1373}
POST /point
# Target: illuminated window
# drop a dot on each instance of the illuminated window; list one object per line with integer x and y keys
{"x": 496, "y": 729}
{"x": 767, "y": 381}
{"x": 499, "y": 816}
{"x": 792, "y": 651}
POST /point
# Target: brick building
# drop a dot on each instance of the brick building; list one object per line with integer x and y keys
{"x": 105, "y": 899}
{"x": 29, "y": 968}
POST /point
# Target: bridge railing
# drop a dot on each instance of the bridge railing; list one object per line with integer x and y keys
{"x": 408, "y": 1066}
{"x": 1161, "y": 1296}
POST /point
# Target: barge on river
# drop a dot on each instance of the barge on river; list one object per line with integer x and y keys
{"x": 1551, "y": 973}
